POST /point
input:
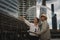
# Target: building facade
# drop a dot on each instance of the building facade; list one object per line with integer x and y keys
{"x": 54, "y": 18}
{"x": 10, "y": 7}
{"x": 43, "y": 9}
{"x": 31, "y": 13}
{"x": 24, "y": 6}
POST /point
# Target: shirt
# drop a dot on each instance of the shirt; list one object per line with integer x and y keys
{"x": 33, "y": 28}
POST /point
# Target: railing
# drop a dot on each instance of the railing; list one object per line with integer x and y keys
{"x": 11, "y": 28}
{"x": 55, "y": 34}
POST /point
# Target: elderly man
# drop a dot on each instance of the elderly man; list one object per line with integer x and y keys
{"x": 44, "y": 28}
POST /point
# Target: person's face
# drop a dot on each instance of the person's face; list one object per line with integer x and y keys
{"x": 35, "y": 20}
{"x": 42, "y": 18}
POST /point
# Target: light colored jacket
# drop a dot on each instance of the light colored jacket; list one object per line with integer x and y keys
{"x": 45, "y": 31}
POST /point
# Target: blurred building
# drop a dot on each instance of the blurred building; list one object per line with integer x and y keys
{"x": 31, "y": 14}
{"x": 43, "y": 8}
{"x": 9, "y": 7}
{"x": 24, "y": 5}
{"x": 54, "y": 22}
{"x": 59, "y": 26}
{"x": 54, "y": 18}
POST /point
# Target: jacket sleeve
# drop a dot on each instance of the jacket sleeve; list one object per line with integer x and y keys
{"x": 27, "y": 22}
{"x": 45, "y": 27}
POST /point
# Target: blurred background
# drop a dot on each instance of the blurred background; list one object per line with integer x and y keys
{"x": 11, "y": 28}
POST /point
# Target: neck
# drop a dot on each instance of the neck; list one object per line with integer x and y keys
{"x": 35, "y": 23}
{"x": 43, "y": 20}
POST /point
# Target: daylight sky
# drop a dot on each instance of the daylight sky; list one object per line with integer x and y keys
{"x": 56, "y": 9}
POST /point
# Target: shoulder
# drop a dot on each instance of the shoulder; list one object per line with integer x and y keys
{"x": 31, "y": 24}
{"x": 45, "y": 22}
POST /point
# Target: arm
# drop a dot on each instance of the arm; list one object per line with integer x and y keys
{"x": 23, "y": 19}
{"x": 36, "y": 33}
{"x": 27, "y": 22}
{"x": 44, "y": 27}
